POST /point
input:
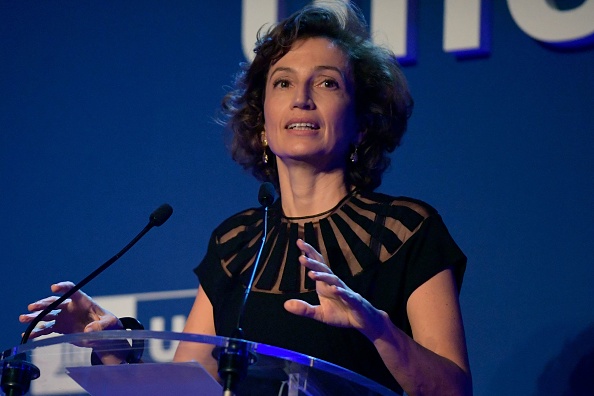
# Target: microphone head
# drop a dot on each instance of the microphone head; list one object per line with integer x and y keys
{"x": 160, "y": 215}
{"x": 266, "y": 194}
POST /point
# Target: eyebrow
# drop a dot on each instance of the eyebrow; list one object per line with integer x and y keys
{"x": 317, "y": 68}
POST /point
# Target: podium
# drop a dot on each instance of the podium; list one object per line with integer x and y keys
{"x": 64, "y": 363}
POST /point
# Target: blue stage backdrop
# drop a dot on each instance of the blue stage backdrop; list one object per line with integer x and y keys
{"x": 106, "y": 111}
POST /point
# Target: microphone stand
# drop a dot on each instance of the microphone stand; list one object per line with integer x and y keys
{"x": 234, "y": 359}
{"x": 17, "y": 372}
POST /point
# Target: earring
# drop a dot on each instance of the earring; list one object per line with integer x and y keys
{"x": 265, "y": 145}
{"x": 354, "y": 156}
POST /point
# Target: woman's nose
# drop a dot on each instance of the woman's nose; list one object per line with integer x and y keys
{"x": 302, "y": 99}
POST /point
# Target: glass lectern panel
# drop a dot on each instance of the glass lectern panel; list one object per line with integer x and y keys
{"x": 179, "y": 364}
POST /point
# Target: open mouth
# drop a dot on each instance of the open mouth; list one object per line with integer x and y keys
{"x": 303, "y": 126}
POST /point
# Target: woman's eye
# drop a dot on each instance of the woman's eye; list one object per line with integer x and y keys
{"x": 329, "y": 83}
{"x": 281, "y": 84}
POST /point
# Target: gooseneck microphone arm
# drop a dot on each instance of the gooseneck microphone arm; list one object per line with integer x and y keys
{"x": 17, "y": 372}
{"x": 266, "y": 198}
{"x": 157, "y": 218}
{"x": 234, "y": 359}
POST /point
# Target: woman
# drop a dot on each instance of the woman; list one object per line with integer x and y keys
{"x": 361, "y": 279}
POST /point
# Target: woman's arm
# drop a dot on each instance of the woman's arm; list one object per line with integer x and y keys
{"x": 433, "y": 363}
{"x": 200, "y": 321}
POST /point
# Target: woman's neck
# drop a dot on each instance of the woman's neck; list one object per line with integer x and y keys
{"x": 306, "y": 192}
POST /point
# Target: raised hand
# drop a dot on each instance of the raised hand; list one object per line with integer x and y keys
{"x": 75, "y": 315}
{"x": 339, "y": 305}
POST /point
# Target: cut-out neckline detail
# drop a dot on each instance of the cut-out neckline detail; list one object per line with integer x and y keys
{"x": 322, "y": 214}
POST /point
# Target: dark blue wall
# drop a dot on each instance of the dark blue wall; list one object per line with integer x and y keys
{"x": 106, "y": 112}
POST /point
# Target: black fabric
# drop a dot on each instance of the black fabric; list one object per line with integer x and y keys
{"x": 382, "y": 247}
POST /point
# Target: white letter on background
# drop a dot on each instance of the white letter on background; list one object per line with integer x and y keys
{"x": 157, "y": 349}
{"x": 540, "y": 20}
{"x": 391, "y": 18}
{"x": 255, "y": 14}
{"x": 462, "y": 27}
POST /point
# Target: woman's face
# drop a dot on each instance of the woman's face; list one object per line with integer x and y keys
{"x": 309, "y": 107}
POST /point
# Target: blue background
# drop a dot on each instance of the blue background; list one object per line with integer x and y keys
{"x": 106, "y": 112}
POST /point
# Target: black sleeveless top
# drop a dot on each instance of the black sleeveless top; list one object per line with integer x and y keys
{"x": 382, "y": 247}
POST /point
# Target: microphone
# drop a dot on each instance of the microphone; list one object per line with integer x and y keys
{"x": 234, "y": 359}
{"x": 160, "y": 215}
{"x": 17, "y": 373}
{"x": 266, "y": 195}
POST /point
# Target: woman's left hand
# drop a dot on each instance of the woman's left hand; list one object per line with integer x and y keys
{"x": 339, "y": 305}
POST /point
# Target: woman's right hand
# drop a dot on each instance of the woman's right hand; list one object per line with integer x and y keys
{"x": 76, "y": 314}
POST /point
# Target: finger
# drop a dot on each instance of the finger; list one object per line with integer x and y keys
{"x": 309, "y": 251}
{"x": 105, "y": 323}
{"x": 314, "y": 265}
{"x": 93, "y": 327}
{"x": 328, "y": 278}
{"x": 27, "y": 318}
{"x": 301, "y": 308}
{"x": 44, "y": 303}
{"x": 62, "y": 287}
{"x": 43, "y": 328}
{"x": 41, "y": 304}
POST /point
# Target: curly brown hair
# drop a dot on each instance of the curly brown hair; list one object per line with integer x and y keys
{"x": 382, "y": 100}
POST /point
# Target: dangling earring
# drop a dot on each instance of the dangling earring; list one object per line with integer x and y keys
{"x": 354, "y": 156}
{"x": 265, "y": 145}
